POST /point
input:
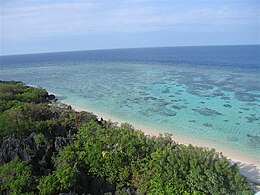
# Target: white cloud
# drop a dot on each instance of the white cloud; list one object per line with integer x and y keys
{"x": 20, "y": 9}
{"x": 33, "y": 19}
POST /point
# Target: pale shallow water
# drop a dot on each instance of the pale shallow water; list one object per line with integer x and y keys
{"x": 211, "y": 94}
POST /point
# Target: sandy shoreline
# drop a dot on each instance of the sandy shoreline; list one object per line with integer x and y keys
{"x": 248, "y": 168}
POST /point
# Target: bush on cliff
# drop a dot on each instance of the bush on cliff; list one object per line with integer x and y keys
{"x": 16, "y": 177}
{"x": 125, "y": 157}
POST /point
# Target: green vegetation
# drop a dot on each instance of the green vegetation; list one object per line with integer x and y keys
{"x": 16, "y": 177}
{"x": 60, "y": 180}
{"x": 24, "y": 110}
{"x": 58, "y": 150}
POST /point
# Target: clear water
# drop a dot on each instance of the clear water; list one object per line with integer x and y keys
{"x": 209, "y": 94}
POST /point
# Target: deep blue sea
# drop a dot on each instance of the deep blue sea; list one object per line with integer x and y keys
{"x": 209, "y": 95}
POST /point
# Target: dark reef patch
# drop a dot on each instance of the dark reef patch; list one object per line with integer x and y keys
{"x": 168, "y": 113}
{"x": 255, "y": 137}
{"x": 176, "y": 107}
{"x": 225, "y": 98}
{"x": 207, "y": 112}
{"x": 227, "y": 105}
{"x": 251, "y": 104}
{"x": 254, "y": 140}
{"x": 143, "y": 93}
{"x": 166, "y": 90}
{"x": 246, "y": 97}
{"x": 217, "y": 93}
{"x": 242, "y": 108}
{"x": 150, "y": 98}
{"x": 199, "y": 93}
{"x": 158, "y": 110}
{"x": 207, "y": 124}
{"x": 159, "y": 83}
{"x": 251, "y": 119}
{"x": 163, "y": 103}
{"x": 176, "y": 100}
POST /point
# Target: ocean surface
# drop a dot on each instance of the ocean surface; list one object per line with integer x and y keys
{"x": 209, "y": 93}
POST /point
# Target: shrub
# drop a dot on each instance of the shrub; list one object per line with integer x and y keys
{"x": 15, "y": 177}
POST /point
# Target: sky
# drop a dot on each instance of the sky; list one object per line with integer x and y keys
{"x": 36, "y": 26}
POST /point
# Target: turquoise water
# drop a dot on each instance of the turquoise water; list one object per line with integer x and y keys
{"x": 208, "y": 94}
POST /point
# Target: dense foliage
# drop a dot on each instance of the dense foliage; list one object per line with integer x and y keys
{"x": 15, "y": 176}
{"x": 58, "y": 150}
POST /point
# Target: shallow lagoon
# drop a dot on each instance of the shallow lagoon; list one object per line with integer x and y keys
{"x": 212, "y": 97}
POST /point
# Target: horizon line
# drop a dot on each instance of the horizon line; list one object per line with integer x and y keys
{"x": 125, "y": 48}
